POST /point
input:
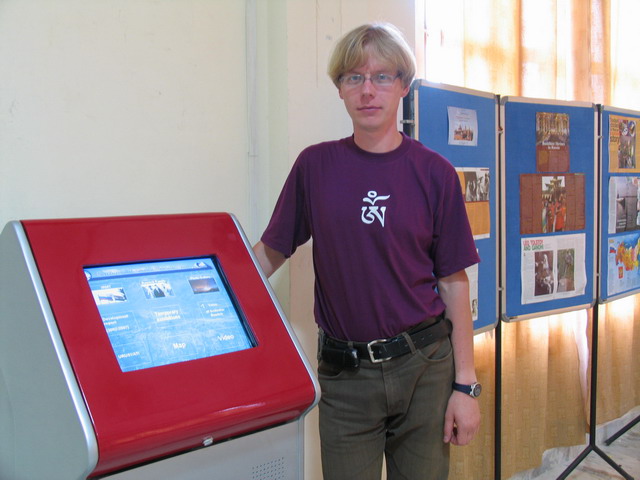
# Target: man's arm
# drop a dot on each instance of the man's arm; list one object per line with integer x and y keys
{"x": 269, "y": 259}
{"x": 462, "y": 419}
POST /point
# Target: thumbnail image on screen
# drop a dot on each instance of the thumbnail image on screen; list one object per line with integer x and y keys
{"x": 167, "y": 311}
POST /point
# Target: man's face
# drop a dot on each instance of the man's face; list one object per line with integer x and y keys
{"x": 373, "y": 108}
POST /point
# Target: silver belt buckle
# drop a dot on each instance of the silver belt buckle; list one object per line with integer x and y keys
{"x": 371, "y": 357}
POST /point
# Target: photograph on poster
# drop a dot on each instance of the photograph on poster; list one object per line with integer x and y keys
{"x": 622, "y": 145}
{"x": 623, "y": 273}
{"x": 623, "y": 204}
{"x": 552, "y": 203}
{"x": 552, "y": 142}
{"x": 553, "y": 268}
{"x": 476, "y": 186}
{"x": 463, "y": 126}
{"x": 472, "y": 274}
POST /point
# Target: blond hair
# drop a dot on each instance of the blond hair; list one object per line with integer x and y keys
{"x": 382, "y": 40}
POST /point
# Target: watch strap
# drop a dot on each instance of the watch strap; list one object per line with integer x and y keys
{"x": 472, "y": 390}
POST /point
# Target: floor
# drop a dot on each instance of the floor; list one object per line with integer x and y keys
{"x": 625, "y": 451}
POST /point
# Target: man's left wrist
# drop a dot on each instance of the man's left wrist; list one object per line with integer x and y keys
{"x": 473, "y": 390}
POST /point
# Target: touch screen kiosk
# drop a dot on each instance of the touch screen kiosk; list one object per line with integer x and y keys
{"x": 145, "y": 348}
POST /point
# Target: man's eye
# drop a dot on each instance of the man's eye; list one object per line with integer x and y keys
{"x": 383, "y": 78}
{"x": 354, "y": 79}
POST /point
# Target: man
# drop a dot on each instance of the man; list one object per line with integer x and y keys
{"x": 389, "y": 225}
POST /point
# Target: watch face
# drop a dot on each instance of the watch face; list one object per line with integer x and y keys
{"x": 476, "y": 389}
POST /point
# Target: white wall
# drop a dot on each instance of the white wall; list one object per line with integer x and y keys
{"x": 122, "y": 107}
{"x": 126, "y": 107}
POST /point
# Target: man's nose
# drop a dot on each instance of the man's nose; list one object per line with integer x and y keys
{"x": 368, "y": 86}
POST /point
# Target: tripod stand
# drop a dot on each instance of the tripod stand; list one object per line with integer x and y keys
{"x": 592, "y": 447}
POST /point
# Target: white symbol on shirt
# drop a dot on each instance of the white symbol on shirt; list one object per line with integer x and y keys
{"x": 373, "y": 212}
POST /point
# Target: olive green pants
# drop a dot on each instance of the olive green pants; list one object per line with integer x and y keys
{"x": 393, "y": 409}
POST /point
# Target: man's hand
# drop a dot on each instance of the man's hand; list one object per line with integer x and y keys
{"x": 462, "y": 419}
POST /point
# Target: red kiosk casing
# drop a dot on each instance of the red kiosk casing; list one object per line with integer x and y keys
{"x": 142, "y": 415}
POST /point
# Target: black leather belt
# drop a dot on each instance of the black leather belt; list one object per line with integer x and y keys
{"x": 347, "y": 354}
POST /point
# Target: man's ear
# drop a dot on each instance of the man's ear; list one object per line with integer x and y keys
{"x": 340, "y": 93}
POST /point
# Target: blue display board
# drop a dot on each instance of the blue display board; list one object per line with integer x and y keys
{"x": 462, "y": 125}
{"x": 619, "y": 204}
{"x": 549, "y": 166}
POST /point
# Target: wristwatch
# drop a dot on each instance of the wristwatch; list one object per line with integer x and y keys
{"x": 472, "y": 390}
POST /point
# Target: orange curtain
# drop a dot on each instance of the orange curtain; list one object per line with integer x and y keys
{"x": 580, "y": 50}
{"x": 618, "y": 389}
{"x": 574, "y": 50}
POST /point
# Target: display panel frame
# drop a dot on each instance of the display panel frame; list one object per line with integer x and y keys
{"x": 524, "y": 256}
{"x": 619, "y": 277}
{"x": 431, "y": 111}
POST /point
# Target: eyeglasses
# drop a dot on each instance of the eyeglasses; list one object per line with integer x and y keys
{"x": 380, "y": 80}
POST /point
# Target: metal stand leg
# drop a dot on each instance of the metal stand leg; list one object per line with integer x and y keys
{"x": 497, "y": 466}
{"x": 622, "y": 431}
{"x": 592, "y": 447}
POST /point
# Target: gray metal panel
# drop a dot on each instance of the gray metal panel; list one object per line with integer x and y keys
{"x": 46, "y": 429}
{"x": 546, "y": 101}
{"x": 273, "y": 454}
{"x": 455, "y": 88}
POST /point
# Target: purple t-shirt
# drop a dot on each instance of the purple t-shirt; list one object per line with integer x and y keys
{"x": 384, "y": 228}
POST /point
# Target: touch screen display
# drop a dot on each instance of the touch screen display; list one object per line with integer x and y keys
{"x": 168, "y": 311}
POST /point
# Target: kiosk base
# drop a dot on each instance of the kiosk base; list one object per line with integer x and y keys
{"x": 272, "y": 454}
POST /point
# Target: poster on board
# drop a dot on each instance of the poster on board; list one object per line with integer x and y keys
{"x": 463, "y": 126}
{"x": 552, "y": 203}
{"x": 472, "y": 275}
{"x": 476, "y": 189}
{"x": 552, "y": 142}
{"x": 553, "y": 267}
{"x": 622, "y": 144}
{"x": 623, "y": 265}
{"x": 624, "y": 200}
